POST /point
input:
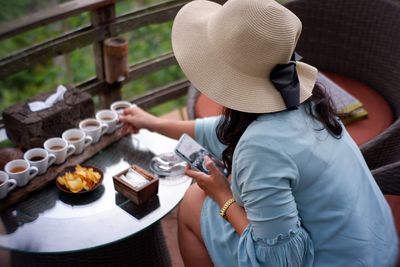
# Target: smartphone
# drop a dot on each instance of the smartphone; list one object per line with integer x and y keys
{"x": 193, "y": 153}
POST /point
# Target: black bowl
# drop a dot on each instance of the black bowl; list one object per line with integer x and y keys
{"x": 72, "y": 169}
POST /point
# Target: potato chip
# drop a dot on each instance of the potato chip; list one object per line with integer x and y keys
{"x": 75, "y": 185}
{"x": 60, "y": 180}
{"x": 81, "y": 179}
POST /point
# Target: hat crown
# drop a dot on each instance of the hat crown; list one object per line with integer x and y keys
{"x": 229, "y": 51}
{"x": 253, "y": 36}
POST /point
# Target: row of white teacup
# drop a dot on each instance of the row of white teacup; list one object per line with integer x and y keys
{"x": 56, "y": 150}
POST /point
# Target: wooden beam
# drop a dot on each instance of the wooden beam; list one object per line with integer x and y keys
{"x": 45, "y": 17}
{"x": 45, "y": 51}
{"x": 153, "y": 98}
{"x": 146, "y": 67}
{"x": 162, "y": 94}
{"x": 151, "y": 15}
{"x": 96, "y": 86}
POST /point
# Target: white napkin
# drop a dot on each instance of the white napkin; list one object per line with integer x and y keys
{"x": 134, "y": 178}
{"x": 50, "y": 101}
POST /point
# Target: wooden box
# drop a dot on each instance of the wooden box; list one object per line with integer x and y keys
{"x": 30, "y": 129}
{"x": 137, "y": 195}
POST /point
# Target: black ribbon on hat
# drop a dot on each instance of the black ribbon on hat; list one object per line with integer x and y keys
{"x": 284, "y": 78}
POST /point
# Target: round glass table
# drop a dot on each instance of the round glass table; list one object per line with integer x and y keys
{"x": 51, "y": 224}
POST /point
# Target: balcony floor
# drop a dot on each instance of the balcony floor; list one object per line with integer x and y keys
{"x": 170, "y": 229}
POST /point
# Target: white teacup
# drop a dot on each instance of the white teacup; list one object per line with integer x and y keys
{"x": 21, "y": 171}
{"x": 60, "y": 148}
{"x": 119, "y": 106}
{"x": 77, "y": 138}
{"x": 94, "y": 128}
{"x": 6, "y": 184}
{"x": 40, "y": 158}
{"x": 110, "y": 118}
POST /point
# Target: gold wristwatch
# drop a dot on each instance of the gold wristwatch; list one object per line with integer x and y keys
{"x": 225, "y": 207}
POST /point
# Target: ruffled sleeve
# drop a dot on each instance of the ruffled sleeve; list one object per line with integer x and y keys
{"x": 295, "y": 248}
{"x": 264, "y": 180}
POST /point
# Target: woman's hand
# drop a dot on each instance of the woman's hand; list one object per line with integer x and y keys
{"x": 135, "y": 118}
{"x": 215, "y": 184}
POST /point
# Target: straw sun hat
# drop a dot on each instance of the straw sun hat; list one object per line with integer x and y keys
{"x": 228, "y": 52}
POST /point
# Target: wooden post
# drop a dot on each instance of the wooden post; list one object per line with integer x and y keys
{"x": 99, "y": 17}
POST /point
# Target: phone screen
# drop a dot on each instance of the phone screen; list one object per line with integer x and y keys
{"x": 192, "y": 152}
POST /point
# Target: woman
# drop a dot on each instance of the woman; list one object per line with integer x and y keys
{"x": 300, "y": 192}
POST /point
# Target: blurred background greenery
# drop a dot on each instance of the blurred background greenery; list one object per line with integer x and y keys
{"x": 78, "y": 66}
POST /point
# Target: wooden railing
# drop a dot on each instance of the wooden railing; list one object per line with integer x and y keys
{"x": 104, "y": 24}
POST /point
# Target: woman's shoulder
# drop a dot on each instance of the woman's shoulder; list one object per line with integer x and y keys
{"x": 257, "y": 137}
{"x": 289, "y": 131}
{"x": 282, "y": 126}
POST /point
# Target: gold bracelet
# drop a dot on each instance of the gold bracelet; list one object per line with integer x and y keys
{"x": 225, "y": 207}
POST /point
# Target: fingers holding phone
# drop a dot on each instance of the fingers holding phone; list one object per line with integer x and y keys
{"x": 214, "y": 184}
{"x": 193, "y": 153}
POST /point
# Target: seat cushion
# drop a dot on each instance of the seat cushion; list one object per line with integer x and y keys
{"x": 205, "y": 107}
{"x": 379, "y": 118}
{"x": 380, "y": 115}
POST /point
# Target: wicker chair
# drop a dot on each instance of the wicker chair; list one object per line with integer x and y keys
{"x": 358, "y": 39}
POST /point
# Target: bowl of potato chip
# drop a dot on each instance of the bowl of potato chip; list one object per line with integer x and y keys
{"x": 79, "y": 179}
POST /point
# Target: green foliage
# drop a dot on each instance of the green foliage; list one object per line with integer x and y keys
{"x": 126, "y": 6}
{"x": 154, "y": 80}
{"x": 82, "y": 65}
{"x": 16, "y": 8}
{"x": 46, "y": 77}
{"x": 148, "y": 42}
{"x": 7, "y": 143}
{"x": 26, "y": 84}
{"x": 41, "y": 34}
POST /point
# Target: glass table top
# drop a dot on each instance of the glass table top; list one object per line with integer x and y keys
{"x": 52, "y": 221}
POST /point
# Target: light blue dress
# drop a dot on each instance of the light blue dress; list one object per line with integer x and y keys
{"x": 309, "y": 197}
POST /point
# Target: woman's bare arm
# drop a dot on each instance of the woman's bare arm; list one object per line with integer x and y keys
{"x": 136, "y": 118}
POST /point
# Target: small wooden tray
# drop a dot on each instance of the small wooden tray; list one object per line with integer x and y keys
{"x": 137, "y": 195}
{"x": 39, "y": 182}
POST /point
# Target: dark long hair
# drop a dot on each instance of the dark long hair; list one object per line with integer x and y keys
{"x": 234, "y": 123}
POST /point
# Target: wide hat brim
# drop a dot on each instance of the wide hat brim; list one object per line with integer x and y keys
{"x": 218, "y": 80}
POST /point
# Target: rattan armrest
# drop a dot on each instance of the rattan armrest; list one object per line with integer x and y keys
{"x": 388, "y": 178}
{"x": 385, "y": 149}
